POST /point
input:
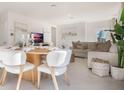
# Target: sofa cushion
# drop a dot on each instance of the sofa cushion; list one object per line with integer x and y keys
{"x": 92, "y": 46}
{"x": 84, "y": 45}
{"x": 80, "y": 45}
{"x": 104, "y": 47}
{"x": 74, "y": 44}
{"x": 77, "y": 50}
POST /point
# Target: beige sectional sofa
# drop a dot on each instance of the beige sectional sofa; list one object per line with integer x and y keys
{"x": 89, "y": 50}
{"x": 81, "y": 49}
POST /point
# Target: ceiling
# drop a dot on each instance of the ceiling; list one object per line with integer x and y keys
{"x": 62, "y": 10}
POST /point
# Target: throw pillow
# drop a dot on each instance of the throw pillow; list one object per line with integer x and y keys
{"x": 104, "y": 47}
{"x": 84, "y": 45}
{"x": 74, "y": 44}
{"x": 79, "y": 46}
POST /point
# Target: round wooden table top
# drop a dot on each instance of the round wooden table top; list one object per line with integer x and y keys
{"x": 39, "y": 51}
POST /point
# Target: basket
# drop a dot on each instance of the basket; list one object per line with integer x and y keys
{"x": 100, "y": 67}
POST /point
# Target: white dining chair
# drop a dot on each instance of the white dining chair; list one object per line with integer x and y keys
{"x": 57, "y": 62}
{"x": 15, "y": 62}
{"x": 1, "y": 65}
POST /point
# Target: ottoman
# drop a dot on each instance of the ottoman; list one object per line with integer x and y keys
{"x": 100, "y": 67}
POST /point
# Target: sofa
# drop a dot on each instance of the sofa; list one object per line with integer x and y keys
{"x": 81, "y": 49}
{"x": 106, "y": 51}
{"x": 111, "y": 56}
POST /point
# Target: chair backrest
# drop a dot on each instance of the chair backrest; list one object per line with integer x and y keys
{"x": 56, "y": 58}
{"x": 13, "y": 58}
{"x": 2, "y": 50}
{"x": 68, "y": 57}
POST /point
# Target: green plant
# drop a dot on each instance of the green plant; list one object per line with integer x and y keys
{"x": 118, "y": 38}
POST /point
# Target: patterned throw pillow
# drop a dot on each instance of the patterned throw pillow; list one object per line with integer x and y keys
{"x": 104, "y": 47}
{"x": 74, "y": 44}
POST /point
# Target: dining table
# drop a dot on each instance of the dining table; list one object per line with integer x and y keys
{"x": 35, "y": 57}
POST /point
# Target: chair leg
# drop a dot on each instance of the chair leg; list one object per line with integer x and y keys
{"x": 33, "y": 79}
{"x": 55, "y": 81}
{"x": 1, "y": 77}
{"x": 19, "y": 81}
{"x": 4, "y": 74}
{"x": 38, "y": 82}
{"x": 66, "y": 78}
{"x": 46, "y": 76}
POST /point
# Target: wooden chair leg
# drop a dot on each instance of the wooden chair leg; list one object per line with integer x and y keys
{"x": 46, "y": 76}
{"x": 19, "y": 81}
{"x": 4, "y": 74}
{"x": 55, "y": 81}
{"x": 38, "y": 82}
{"x": 33, "y": 79}
{"x": 0, "y": 82}
{"x": 1, "y": 77}
{"x": 66, "y": 78}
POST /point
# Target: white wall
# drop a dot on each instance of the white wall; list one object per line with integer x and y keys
{"x": 8, "y": 20}
{"x": 93, "y": 27}
{"x": 86, "y": 31}
{"x": 85, "y": 26}
{"x": 78, "y": 28}
{"x": 3, "y": 28}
